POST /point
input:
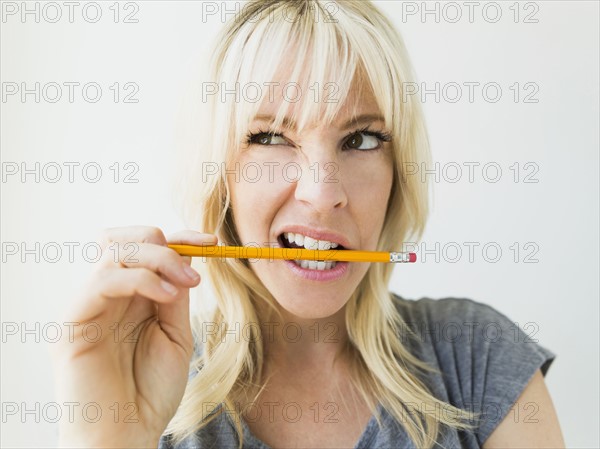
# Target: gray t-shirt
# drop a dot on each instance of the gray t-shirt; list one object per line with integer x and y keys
{"x": 485, "y": 360}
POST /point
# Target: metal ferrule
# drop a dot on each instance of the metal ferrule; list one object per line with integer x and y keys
{"x": 399, "y": 257}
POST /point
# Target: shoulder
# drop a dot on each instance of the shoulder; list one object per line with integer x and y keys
{"x": 467, "y": 324}
{"x": 484, "y": 360}
{"x": 448, "y": 310}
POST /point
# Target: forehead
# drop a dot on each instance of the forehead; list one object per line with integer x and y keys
{"x": 304, "y": 82}
{"x": 295, "y": 96}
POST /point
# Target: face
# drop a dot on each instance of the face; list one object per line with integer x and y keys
{"x": 328, "y": 183}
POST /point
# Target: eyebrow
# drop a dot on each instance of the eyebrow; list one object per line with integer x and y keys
{"x": 288, "y": 123}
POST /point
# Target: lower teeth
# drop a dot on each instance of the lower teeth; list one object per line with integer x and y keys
{"x": 312, "y": 265}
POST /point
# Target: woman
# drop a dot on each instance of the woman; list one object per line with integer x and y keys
{"x": 306, "y": 94}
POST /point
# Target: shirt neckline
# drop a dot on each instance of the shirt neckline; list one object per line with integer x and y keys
{"x": 251, "y": 441}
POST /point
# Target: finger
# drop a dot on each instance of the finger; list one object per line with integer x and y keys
{"x": 162, "y": 260}
{"x": 187, "y": 237}
{"x": 114, "y": 284}
{"x": 143, "y": 234}
{"x": 111, "y": 292}
{"x": 174, "y": 320}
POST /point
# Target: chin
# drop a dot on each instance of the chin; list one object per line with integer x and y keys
{"x": 302, "y": 301}
{"x": 309, "y": 309}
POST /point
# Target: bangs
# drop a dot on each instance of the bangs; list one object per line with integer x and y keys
{"x": 329, "y": 56}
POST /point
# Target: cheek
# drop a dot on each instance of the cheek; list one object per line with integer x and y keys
{"x": 369, "y": 186}
{"x": 257, "y": 195}
{"x": 368, "y": 183}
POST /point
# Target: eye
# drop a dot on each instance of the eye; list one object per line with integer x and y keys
{"x": 366, "y": 140}
{"x": 264, "y": 138}
{"x": 363, "y": 142}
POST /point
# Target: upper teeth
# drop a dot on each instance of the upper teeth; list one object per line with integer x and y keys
{"x": 308, "y": 242}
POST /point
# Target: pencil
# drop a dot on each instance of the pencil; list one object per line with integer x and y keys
{"x": 251, "y": 252}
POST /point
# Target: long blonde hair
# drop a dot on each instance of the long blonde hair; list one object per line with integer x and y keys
{"x": 342, "y": 41}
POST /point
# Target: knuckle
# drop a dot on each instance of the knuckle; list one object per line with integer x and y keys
{"x": 172, "y": 257}
{"x": 153, "y": 234}
{"x": 103, "y": 237}
{"x": 144, "y": 277}
{"x": 100, "y": 279}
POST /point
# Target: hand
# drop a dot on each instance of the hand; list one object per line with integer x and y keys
{"x": 129, "y": 351}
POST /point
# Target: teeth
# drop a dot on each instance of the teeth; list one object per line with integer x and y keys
{"x": 312, "y": 265}
{"x": 308, "y": 242}
{"x": 324, "y": 244}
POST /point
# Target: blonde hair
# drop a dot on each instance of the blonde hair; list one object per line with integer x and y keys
{"x": 353, "y": 43}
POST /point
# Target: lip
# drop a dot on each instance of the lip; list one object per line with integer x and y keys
{"x": 332, "y": 274}
{"x": 316, "y": 233}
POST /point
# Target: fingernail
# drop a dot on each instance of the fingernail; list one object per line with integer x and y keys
{"x": 169, "y": 288}
{"x": 191, "y": 273}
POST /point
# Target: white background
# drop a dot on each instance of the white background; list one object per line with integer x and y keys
{"x": 558, "y": 294}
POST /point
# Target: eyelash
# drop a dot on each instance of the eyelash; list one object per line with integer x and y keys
{"x": 382, "y": 136}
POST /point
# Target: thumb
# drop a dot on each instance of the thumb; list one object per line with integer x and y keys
{"x": 187, "y": 237}
{"x": 174, "y": 319}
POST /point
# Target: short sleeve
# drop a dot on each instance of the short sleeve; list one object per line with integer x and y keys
{"x": 486, "y": 360}
{"x": 510, "y": 357}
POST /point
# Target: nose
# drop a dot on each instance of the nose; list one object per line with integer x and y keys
{"x": 321, "y": 185}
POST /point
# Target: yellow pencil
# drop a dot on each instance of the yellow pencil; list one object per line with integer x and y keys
{"x": 251, "y": 252}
